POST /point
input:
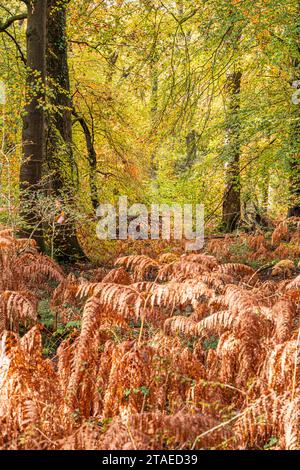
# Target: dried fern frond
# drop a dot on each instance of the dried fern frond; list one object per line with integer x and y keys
{"x": 176, "y": 294}
{"x": 7, "y": 233}
{"x": 290, "y": 427}
{"x": 29, "y": 396}
{"x": 130, "y": 370}
{"x": 209, "y": 261}
{"x": 294, "y": 284}
{"x": 87, "y": 437}
{"x": 283, "y": 314}
{"x": 26, "y": 243}
{"x": 167, "y": 258}
{"x": 7, "y": 242}
{"x": 220, "y": 248}
{"x": 42, "y": 265}
{"x": 217, "y": 281}
{"x": 187, "y": 267}
{"x": 280, "y": 233}
{"x": 239, "y": 299}
{"x": 118, "y": 276}
{"x": 239, "y": 272}
{"x": 114, "y": 301}
{"x": 217, "y": 322}
{"x": 281, "y": 368}
{"x": 82, "y": 290}
{"x": 256, "y": 242}
{"x": 271, "y": 415}
{"x": 142, "y": 266}
{"x": 17, "y": 307}
{"x": 179, "y": 324}
{"x": 119, "y": 298}
{"x": 181, "y": 429}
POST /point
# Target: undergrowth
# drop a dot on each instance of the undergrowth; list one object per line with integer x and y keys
{"x": 169, "y": 351}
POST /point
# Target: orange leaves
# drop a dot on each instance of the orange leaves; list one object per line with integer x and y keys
{"x": 142, "y": 266}
{"x": 129, "y": 379}
{"x": 166, "y": 349}
{"x": 284, "y": 313}
{"x": 118, "y": 276}
{"x": 280, "y": 233}
{"x": 16, "y": 307}
{"x": 239, "y": 271}
{"x": 179, "y": 429}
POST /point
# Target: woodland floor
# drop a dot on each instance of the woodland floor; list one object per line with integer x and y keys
{"x": 159, "y": 350}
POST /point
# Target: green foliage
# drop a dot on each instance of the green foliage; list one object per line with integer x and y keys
{"x": 45, "y": 313}
{"x": 271, "y": 443}
{"x": 150, "y": 81}
{"x": 211, "y": 343}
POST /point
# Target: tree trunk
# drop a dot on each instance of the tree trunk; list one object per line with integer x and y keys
{"x": 265, "y": 191}
{"x": 91, "y": 156}
{"x": 232, "y": 194}
{"x": 59, "y": 140}
{"x": 154, "y": 108}
{"x": 294, "y": 159}
{"x": 59, "y": 156}
{"x": 191, "y": 148}
{"x": 33, "y": 136}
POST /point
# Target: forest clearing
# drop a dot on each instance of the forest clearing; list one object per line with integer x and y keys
{"x": 150, "y": 225}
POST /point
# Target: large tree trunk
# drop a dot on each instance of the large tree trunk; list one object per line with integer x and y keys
{"x": 294, "y": 159}
{"x": 232, "y": 194}
{"x": 33, "y": 137}
{"x": 59, "y": 139}
{"x": 59, "y": 157}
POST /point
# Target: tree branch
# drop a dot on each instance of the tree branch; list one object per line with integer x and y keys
{"x": 92, "y": 156}
{"x": 11, "y": 20}
{"x": 17, "y": 46}
{"x": 4, "y": 27}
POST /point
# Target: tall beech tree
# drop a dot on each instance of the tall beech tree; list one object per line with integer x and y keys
{"x": 60, "y": 162}
{"x": 294, "y": 160}
{"x": 33, "y": 135}
{"x": 231, "y": 212}
{"x": 60, "y": 158}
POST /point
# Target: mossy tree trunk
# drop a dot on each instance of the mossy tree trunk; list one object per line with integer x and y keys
{"x": 232, "y": 193}
{"x": 294, "y": 158}
{"x": 59, "y": 150}
{"x": 33, "y": 134}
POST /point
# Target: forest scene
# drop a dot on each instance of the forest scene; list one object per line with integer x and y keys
{"x": 150, "y": 225}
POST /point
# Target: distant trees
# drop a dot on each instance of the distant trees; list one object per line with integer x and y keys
{"x": 167, "y": 100}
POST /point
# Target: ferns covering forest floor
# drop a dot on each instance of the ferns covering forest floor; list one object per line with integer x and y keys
{"x": 174, "y": 351}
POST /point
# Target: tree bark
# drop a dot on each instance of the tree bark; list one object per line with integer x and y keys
{"x": 60, "y": 158}
{"x": 154, "y": 108}
{"x": 91, "y": 156}
{"x": 191, "y": 148}
{"x": 294, "y": 159}
{"x": 59, "y": 150}
{"x": 33, "y": 135}
{"x": 232, "y": 194}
